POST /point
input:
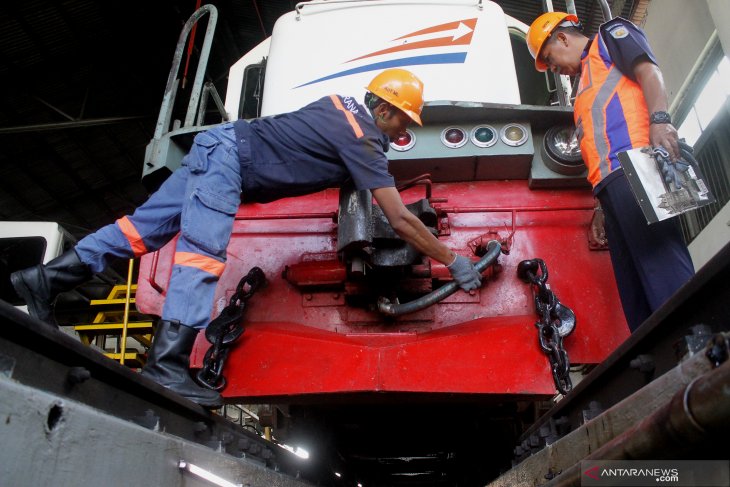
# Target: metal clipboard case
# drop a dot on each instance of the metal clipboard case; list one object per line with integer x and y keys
{"x": 663, "y": 197}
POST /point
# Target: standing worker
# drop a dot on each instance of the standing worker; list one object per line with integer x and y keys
{"x": 319, "y": 146}
{"x": 621, "y": 104}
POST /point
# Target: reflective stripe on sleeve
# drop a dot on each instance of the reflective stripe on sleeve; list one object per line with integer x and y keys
{"x": 133, "y": 236}
{"x": 350, "y": 117}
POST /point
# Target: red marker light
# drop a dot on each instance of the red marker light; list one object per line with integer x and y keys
{"x": 404, "y": 141}
{"x": 453, "y": 137}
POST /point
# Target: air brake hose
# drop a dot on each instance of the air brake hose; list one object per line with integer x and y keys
{"x": 397, "y": 309}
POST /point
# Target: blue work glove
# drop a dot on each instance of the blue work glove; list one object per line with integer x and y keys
{"x": 463, "y": 272}
{"x": 671, "y": 171}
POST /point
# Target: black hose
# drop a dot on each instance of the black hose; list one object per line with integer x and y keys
{"x": 685, "y": 151}
{"x": 391, "y": 309}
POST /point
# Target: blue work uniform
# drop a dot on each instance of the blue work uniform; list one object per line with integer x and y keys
{"x": 319, "y": 146}
{"x": 650, "y": 262}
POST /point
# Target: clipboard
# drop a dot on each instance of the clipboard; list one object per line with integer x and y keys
{"x": 659, "y": 199}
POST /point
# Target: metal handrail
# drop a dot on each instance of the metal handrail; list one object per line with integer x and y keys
{"x": 606, "y": 10}
{"x": 168, "y": 100}
{"x": 570, "y": 7}
{"x": 210, "y": 90}
{"x": 300, "y": 5}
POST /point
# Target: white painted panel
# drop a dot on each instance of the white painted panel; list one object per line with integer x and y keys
{"x": 461, "y": 52}
{"x": 711, "y": 239}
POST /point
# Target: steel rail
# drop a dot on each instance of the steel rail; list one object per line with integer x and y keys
{"x": 695, "y": 414}
{"x": 36, "y": 355}
{"x": 669, "y": 335}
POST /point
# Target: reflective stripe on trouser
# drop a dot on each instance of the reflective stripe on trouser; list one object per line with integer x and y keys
{"x": 199, "y": 200}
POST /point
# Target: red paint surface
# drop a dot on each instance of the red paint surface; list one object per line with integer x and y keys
{"x": 483, "y": 344}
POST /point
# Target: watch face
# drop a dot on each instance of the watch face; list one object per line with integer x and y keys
{"x": 660, "y": 117}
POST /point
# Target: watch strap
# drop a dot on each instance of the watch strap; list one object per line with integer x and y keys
{"x": 660, "y": 117}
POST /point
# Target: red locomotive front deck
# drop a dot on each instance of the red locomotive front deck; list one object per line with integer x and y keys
{"x": 302, "y": 341}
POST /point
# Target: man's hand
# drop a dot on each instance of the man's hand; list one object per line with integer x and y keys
{"x": 650, "y": 79}
{"x": 597, "y": 236}
{"x": 665, "y": 135}
{"x": 463, "y": 272}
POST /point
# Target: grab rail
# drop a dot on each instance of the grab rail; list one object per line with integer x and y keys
{"x": 300, "y": 5}
{"x": 168, "y": 100}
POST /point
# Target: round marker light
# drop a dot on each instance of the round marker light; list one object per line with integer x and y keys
{"x": 561, "y": 151}
{"x": 483, "y": 136}
{"x": 514, "y": 134}
{"x": 404, "y": 142}
{"x": 453, "y": 137}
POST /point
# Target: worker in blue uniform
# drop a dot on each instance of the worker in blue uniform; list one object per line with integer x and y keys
{"x": 322, "y": 145}
{"x": 620, "y": 105}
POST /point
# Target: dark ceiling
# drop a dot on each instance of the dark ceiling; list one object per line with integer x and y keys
{"x": 82, "y": 82}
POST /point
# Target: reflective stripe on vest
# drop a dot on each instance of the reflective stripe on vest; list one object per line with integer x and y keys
{"x": 610, "y": 112}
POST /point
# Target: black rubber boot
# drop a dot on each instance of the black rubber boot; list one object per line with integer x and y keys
{"x": 168, "y": 362}
{"x": 41, "y": 284}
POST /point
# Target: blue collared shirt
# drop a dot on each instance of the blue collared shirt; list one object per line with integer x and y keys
{"x": 319, "y": 146}
{"x": 626, "y": 45}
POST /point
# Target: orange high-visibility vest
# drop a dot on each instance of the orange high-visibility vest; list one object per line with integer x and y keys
{"x": 610, "y": 110}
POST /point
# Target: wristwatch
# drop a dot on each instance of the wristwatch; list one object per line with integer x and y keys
{"x": 660, "y": 117}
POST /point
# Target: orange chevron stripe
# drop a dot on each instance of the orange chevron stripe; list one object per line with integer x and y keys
{"x": 442, "y": 41}
{"x": 471, "y": 23}
{"x": 438, "y": 42}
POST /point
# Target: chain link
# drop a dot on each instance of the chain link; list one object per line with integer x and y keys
{"x": 555, "y": 321}
{"x": 225, "y": 329}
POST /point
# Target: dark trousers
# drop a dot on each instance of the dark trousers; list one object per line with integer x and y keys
{"x": 651, "y": 262}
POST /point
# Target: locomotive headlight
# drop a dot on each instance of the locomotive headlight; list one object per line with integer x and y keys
{"x": 404, "y": 142}
{"x": 483, "y": 136}
{"x": 562, "y": 143}
{"x": 561, "y": 151}
{"x": 514, "y": 134}
{"x": 453, "y": 137}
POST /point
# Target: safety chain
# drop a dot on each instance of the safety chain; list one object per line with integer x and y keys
{"x": 225, "y": 329}
{"x": 556, "y": 321}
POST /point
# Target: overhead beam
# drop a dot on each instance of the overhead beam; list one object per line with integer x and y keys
{"x": 41, "y": 127}
{"x": 45, "y": 150}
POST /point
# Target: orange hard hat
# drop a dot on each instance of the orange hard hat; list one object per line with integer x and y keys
{"x": 541, "y": 30}
{"x": 400, "y": 88}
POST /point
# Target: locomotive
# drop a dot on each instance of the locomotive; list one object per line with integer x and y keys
{"x": 357, "y": 348}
